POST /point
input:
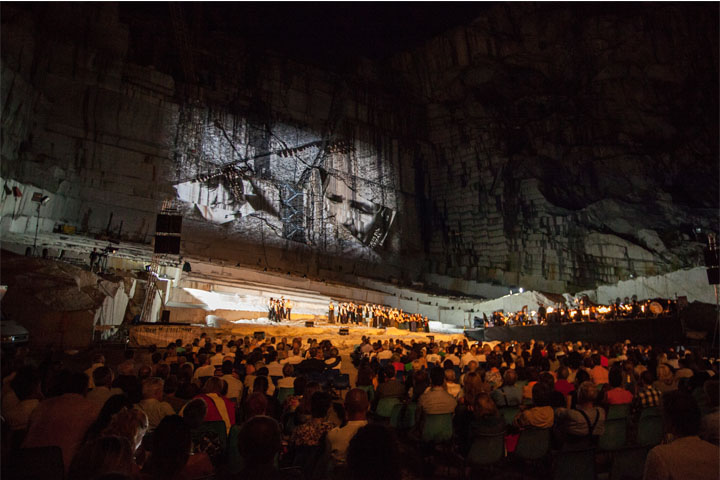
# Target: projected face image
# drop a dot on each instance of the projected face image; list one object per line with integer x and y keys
{"x": 367, "y": 221}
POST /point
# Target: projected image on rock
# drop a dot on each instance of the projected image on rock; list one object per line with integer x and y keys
{"x": 274, "y": 183}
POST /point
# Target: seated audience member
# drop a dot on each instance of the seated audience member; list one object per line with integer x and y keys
{"x": 420, "y": 384}
{"x": 647, "y": 395}
{"x": 557, "y": 399}
{"x": 107, "y": 454}
{"x": 484, "y": 419}
{"x": 310, "y": 433}
{"x": 373, "y": 453}
{"x": 666, "y": 381}
{"x": 112, "y": 406}
{"x": 356, "y": 408}
{"x": 128, "y": 382}
{"x": 687, "y": 456}
{"x": 259, "y": 443}
{"x": 450, "y": 385}
{"x": 235, "y": 386}
{"x": 598, "y": 373}
{"x": 97, "y": 362}
{"x": 152, "y": 403}
{"x": 617, "y": 395}
{"x": 170, "y": 452}
{"x": 288, "y": 379}
{"x": 510, "y": 394}
{"x": 585, "y": 423}
{"x": 204, "y": 369}
{"x": 436, "y": 400}
{"x": 129, "y": 423}
{"x": 273, "y": 409}
{"x": 314, "y": 364}
{"x": 390, "y": 387}
{"x": 255, "y": 404}
{"x": 541, "y": 414}
{"x": 63, "y": 421}
{"x": 170, "y": 393}
{"x": 562, "y": 385}
{"x": 219, "y": 408}
{"x": 204, "y": 441}
{"x": 26, "y": 385}
{"x": 711, "y": 421}
{"x": 102, "y": 379}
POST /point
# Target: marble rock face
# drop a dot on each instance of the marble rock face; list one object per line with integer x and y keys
{"x": 554, "y": 148}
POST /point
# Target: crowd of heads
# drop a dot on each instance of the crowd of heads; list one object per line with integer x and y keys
{"x": 171, "y": 411}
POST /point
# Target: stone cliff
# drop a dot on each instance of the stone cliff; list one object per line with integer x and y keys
{"x": 550, "y": 146}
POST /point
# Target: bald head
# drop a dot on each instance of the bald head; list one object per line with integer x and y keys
{"x": 356, "y": 404}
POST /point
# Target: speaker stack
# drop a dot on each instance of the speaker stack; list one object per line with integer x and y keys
{"x": 168, "y": 228}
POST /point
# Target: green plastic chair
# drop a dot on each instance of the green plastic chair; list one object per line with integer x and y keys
{"x": 509, "y": 414}
{"x": 615, "y": 434}
{"x": 284, "y": 393}
{"x": 235, "y": 462}
{"x": 437, "y": 428}
{"x": 217, "y": 427}
{"x": 628, "y": 463}
{"x": 369, "y": 390}
{"x": 403, "y": 416}
{"x": 533, "y": 443}
{"x": 650, "y": 427}
{"x": 486, "y": 450}
{"x": 618, "y": 411}
{"x": 385, "y": 406}
{"x": 574, "y": 465}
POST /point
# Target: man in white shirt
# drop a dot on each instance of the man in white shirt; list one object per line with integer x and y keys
{"x": 217, "y": 359}
{"x": 295, "y": 357}
{"x": 356, "y": 407}
{"x": 434, "y": 357}
{"x": 205, "y": 370}
{"x": 469, "y": 357}
{"x": 384, "y": 354}
{"x": 235, "y": 386}
{"x": 452, "y": 357}
{"x": 152, "y": 403}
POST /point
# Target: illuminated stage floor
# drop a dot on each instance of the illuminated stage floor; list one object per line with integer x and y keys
{"x": 162, "y": 334}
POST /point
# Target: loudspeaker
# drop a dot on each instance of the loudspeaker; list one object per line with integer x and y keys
{"x": 309, "y": 324}
{"x": 344, "y": 331}
{"x": 259, "y": 335}
{"x": 431, "y": 337}
{"x": 166, "y": 244}
{"x": 168, "y": 224}
{"x": 712, "y": 261}
{"x": 165, "y": 316}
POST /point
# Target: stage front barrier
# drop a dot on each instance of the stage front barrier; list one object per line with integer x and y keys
{"x": 659, "y": 330}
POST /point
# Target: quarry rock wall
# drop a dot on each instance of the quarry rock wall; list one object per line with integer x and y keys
{"x": 554, "y": 148}
{"x": 573, "y": 145}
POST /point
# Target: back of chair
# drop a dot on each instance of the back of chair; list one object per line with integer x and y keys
{"x": 36, "y": 463}
{"x": 533, "y": 443}
{"x": 284, "y": 393}
{"x": 235, "y": 462}
{"x": 650, "y": 427}
{"x": 618, "y": 411}
{"x": 403, "y": 416}
{"x": 574, "y": 465}
{"x": 437, "y": 427}
{"x": 342, "y": 381}
{"x": 385, "y": 406}
{"x": 486, "y": 449}
{"x": 615, "y": 434}
{"x": 509, "y": 414}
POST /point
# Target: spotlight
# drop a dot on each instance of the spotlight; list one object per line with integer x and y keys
{"x": 521, "y": 290}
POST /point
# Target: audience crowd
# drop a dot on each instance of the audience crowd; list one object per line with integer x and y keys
{"x": 278, "y": 408}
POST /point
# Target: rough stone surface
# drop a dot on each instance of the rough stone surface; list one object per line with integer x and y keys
{"x": 550, "y": 147}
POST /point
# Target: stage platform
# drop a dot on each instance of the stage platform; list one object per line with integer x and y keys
{"x": 661, "y": 331}
{"x": 161, "y": 334}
